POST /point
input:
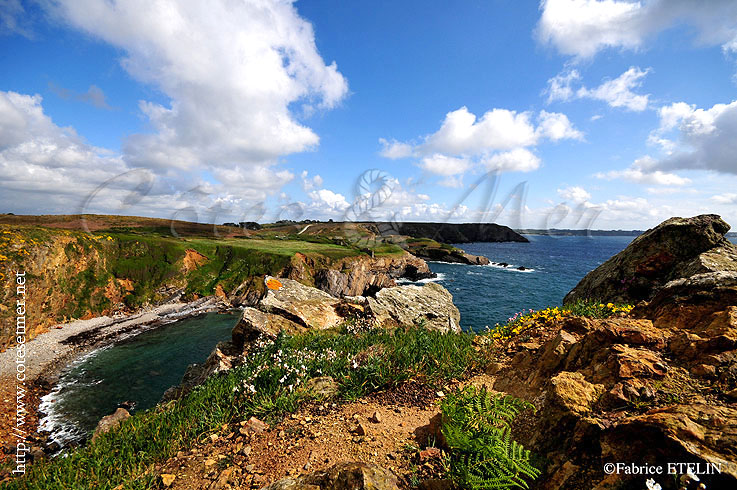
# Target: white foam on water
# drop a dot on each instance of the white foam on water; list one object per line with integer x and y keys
{"x": 61, "y": 430}
{"x": 509, "y": 267}
{"x": 439, "y": 277}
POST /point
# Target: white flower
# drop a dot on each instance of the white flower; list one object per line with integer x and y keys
{"x": 691, "y": 475}
{"x": 651, "y": 485}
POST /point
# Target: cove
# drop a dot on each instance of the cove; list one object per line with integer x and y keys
{"x": 138, "y": 369}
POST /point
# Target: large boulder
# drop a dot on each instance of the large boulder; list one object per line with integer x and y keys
{"x": 303, "y": 305}
{"x": 430, "y": 305}
{"x": 342, "y": 476}
{"x": 110, "y": 422}
{"x": 255, "y": 323}
{"x": 676, "y": 248}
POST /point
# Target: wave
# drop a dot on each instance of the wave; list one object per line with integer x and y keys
{"x": 509, "y": 267}
{"x": 439, "y": 277}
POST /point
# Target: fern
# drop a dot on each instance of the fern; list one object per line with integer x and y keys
{"x": 483, "y": 455}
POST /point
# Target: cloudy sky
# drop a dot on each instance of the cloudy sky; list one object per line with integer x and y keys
{"x": 568, "y": 113}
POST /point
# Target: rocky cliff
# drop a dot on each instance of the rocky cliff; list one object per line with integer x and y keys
{"x": 76, "y": 275}
{"x": 654, "y": 387}
{"x": 677, "y": 248}
{"x": 454, "y": 232}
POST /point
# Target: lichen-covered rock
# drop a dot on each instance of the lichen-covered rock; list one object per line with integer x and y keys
{"x": 342, "y": 476}
{"x": 676, "y": 248}
{"x": 430, "y": 305}
{"x": 304, "y": 305}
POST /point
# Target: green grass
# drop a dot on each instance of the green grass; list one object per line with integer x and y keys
{"x": 262, "y": 387}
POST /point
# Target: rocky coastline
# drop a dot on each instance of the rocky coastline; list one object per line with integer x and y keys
{"x": 651, "y": 384}
{"x": 656, "y": 386}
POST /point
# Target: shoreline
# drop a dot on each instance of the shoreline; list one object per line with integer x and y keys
{"x": 51, "y": 352}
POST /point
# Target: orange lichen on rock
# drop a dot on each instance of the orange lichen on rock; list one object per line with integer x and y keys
{"x": 274, "y": 284}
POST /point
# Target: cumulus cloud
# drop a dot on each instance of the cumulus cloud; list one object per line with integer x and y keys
{"x": 517, "y": 160}
{"x": 643, "y": 171}
{"x": 394, "y": 149}
{"x": 234, "y": 76}
{"x": 696, "y": 138}
{"x": 556, "y": 126}
{"x": 37, "y": 157}
{"x": 581, "y": 28}
{"x": 440, "y": 164}
{"x": 232, "y": 72}
{"x": 618, "y": 92}
{"x": 499, "y": 140}
{"x": 574, "y": 193}
{"x": 328, "y": 202}
{"x": 498, "y": 129}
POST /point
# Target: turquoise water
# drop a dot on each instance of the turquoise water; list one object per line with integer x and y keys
{"x": 486, "y": 295}
{"x": 138, "y": 369}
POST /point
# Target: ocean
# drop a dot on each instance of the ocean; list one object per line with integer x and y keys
{"x": 490, "y": 294}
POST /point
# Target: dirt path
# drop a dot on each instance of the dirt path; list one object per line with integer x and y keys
{"x": 392, "y": 429}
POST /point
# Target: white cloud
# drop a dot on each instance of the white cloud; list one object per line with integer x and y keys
{"x": 556, "y": 126}
{"x": 517, "y": 160}
{"x": 560, "y": 87}
{"x": 581, "y": 28}
{"x": 575, "y": 194}
{"x": 439, "y": 164}
{"x": 698, "y": 139}
{"x": 327, "y": 201}
{"x": 727, "y": 198}
{"x": 642, "y": 171}
{"x": 234, "y": 75}
{"x": 499, "y": 140}
{"x": 394, "y": 149}
{"x": 497, "y": 129}
{"x": 232, "y": 71}
{"x": 45, "y": 166}
{"x": 616, "y": 93}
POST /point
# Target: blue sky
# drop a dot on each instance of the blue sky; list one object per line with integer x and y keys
{"x": 609, "y": 114}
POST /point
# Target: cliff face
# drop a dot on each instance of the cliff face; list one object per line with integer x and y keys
{"x": 676, "y": 248}
{"x": 455, "y": 233}
{"x": 76, "y": 275}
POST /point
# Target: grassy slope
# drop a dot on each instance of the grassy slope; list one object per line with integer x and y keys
{"x": 264, "y": 388}
{"x": 74, "y": 274}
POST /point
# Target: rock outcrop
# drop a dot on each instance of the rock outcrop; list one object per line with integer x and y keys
{"x": 677, "y": 248}
{"x": 428, "y": 250}
{"x": 454, "y": 232}
{"x": 364, "y": 275}
{"x": 430, "y": 305}
{"x": 293, "y": 307}
{"x": 343, "y": 476}
{"x": 656, "y": 387}
{"x": 109, "y": 422}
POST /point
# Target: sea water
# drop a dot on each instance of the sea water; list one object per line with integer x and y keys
{"x": 138, "y": 369}
{"x": 490, "y": 294}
